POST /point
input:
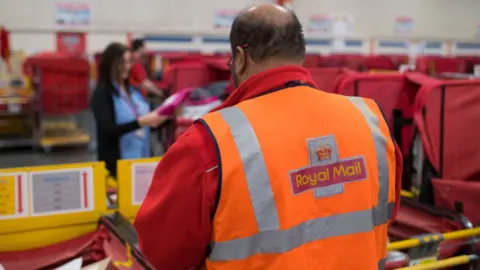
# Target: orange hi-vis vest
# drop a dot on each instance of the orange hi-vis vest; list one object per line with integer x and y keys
{"x": 307, "y": 182}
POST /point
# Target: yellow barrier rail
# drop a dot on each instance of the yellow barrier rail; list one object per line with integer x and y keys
{"x": 413, "y": 242}
{"x": 453, "y": 261}
{"x": 45, "y": 205}
{"x": 133, "y": 179}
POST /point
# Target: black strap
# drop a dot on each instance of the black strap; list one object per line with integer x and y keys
{"x": 286, "y": 85}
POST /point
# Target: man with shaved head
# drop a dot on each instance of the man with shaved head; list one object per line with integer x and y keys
{"x": 279, "y": 176}
{"x": 265, "y": 37}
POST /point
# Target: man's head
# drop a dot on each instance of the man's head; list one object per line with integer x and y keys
{"x": 264, "y": 37}
{"x": 138, "y": 47}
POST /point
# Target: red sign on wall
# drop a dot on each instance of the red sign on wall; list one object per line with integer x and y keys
{"x": 71, "y": 42}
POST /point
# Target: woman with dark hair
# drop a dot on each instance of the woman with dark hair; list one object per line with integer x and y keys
{"x": 121, "y": 114}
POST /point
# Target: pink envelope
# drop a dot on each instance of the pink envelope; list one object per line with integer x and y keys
{"x": 169, "y": 106}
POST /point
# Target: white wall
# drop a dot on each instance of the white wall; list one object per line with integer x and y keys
{"x": 32, "y": 22}
{"x": 33, "y": 27}
{"x": 455, "y": 19}
{"x": 115, "y": 15}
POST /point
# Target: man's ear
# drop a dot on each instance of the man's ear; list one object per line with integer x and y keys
{"x": 240, "y": 59}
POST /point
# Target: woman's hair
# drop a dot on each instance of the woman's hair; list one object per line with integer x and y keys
{"x": 112, "y": 58}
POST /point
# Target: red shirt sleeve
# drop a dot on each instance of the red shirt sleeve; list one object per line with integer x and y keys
{"x": 398, "y": 179}
{"x": 137, "y": 74}
{"x": 173, "y": 223}
{"x": 4, "y": 43}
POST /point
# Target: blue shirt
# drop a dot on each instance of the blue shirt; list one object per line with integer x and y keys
{"x": 135, "y": 144}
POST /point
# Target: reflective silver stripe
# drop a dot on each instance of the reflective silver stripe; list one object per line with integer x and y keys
{"x": 254, "y": 167}
{"x": 381, "y": 212}
{"x": 381, "y": 264}
{"x": 279, "y": 241}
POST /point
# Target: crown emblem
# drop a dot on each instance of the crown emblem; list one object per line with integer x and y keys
{"x": 324, "y": 152}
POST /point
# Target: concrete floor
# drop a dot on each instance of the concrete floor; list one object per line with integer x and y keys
{"x": 22, "y": 157}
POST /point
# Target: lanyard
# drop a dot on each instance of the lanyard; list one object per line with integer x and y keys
{"x": 128, "y": 100}
{"x": 132, "y": 106}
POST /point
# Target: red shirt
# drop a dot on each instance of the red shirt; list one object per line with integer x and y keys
{"x": 137, "y": 74}
{"x": 4, "y": 44}
{"x": 173, "y": 223}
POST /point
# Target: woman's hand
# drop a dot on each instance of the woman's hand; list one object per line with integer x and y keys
{"x": 152, "y": 119}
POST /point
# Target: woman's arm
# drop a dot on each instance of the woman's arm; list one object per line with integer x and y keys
{"x": 102, "y": 107}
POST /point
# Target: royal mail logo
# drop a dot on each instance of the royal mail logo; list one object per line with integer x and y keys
{"x": 319, "y": 176}
{"x": 324, "y": 152}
